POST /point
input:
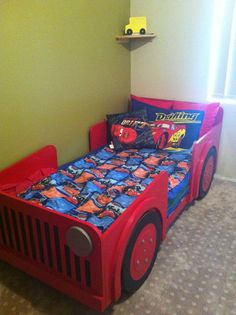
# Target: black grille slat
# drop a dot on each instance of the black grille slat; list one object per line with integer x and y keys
{"x": 2, "y": 230}
{"x": 48, "y": 244}
{"x": 77, "y": 269}
{"x": 16, "y": 231}
{"x": 9, "y": 233}
{"x": 87, "y": 273}
{"x": 40, "y": 241}
{"x": 57, "y": 248}
{"x": 23, "y": 233}
{"x": 32, "y": 241}
{"x": 68, "y": 262}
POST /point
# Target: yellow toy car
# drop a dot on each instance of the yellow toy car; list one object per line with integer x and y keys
{"x": 136, "y": 25}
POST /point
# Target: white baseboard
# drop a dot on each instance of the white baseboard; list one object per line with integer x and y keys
{"x": 228, "y": 179}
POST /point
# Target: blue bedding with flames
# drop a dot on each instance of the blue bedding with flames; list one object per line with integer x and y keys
{"x": 100, "y": 186}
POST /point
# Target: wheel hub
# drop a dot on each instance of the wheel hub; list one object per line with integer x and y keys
{"x": 143, "y": 251}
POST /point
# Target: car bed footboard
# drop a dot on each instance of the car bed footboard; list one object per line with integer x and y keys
{"x": 38, "y": 241}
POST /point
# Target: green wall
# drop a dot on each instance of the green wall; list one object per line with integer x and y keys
{"x": 60, "y": 71}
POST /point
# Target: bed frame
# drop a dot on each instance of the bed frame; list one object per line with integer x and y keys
{"x": 35, "y": 239}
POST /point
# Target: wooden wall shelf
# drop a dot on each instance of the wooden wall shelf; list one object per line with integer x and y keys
{"x": 127, "y": 38}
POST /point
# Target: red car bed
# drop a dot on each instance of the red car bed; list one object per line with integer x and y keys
{"x": 93, "y": 227}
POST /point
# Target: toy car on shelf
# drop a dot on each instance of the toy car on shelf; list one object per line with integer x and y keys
{"x": 137, "y": 25}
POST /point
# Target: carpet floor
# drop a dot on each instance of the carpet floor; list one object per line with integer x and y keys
{"x": 195, "y": 272}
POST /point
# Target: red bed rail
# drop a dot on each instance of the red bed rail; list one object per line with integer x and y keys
{"x": 29, "y": 170}
{"x": 98, "y": 135}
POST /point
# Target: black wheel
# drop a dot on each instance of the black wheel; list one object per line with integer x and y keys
{"x": 129, "y": 31}
{"x": 141, "y": 252}
{"x": 207, "y": 173}
{"x": 162, "y": 141}
{"x": 142, "y": 31}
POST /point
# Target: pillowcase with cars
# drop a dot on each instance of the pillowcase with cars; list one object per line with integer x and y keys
{"x": 129, "y": 133}
{"x": 116, "y": 118}
{"x": 172, "y": 126}
{"x": 204, "y": 120}
{"x": 176, "y": 128}
{"x": 155, "y": 127}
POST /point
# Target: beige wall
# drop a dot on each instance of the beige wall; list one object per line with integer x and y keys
{"x": 61, "y": 70}
{"x": 175, "y": 65}
{"x": 227, "y": 158}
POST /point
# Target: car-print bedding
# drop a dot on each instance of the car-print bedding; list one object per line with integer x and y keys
{"x": 100, "y": 186}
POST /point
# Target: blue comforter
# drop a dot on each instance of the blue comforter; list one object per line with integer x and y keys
{"x": 100, "y": 186}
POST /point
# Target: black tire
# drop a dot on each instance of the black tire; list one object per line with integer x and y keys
{"x": 129, "y": 31}
{"x": 162, "y": 141}
{"x": 129, "y": 284}
{"x": 142, "y": 31}
{"x": 204, "y": 187}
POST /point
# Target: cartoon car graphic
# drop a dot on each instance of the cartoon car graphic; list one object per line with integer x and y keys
{"x": 124, "y": 134}
{"x": 166, "y": 134}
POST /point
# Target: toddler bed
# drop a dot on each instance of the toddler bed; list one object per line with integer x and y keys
{"x": 93, "y": 227}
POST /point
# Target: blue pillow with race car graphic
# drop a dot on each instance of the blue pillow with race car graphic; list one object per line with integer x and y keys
{"x": 171, "y": 127}
{"x": 176, "y": 128}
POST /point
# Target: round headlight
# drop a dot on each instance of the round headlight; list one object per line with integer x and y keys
{"x": 79, "y": 241}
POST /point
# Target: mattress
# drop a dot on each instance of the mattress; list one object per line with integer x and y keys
{"x": 100, "y": 186}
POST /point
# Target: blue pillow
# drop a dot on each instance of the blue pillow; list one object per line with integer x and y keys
{"x": 187, "y": 124}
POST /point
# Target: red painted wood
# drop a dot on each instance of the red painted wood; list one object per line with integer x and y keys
{"x": 98, "y": 135}
{"x": 143, "y": 252}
